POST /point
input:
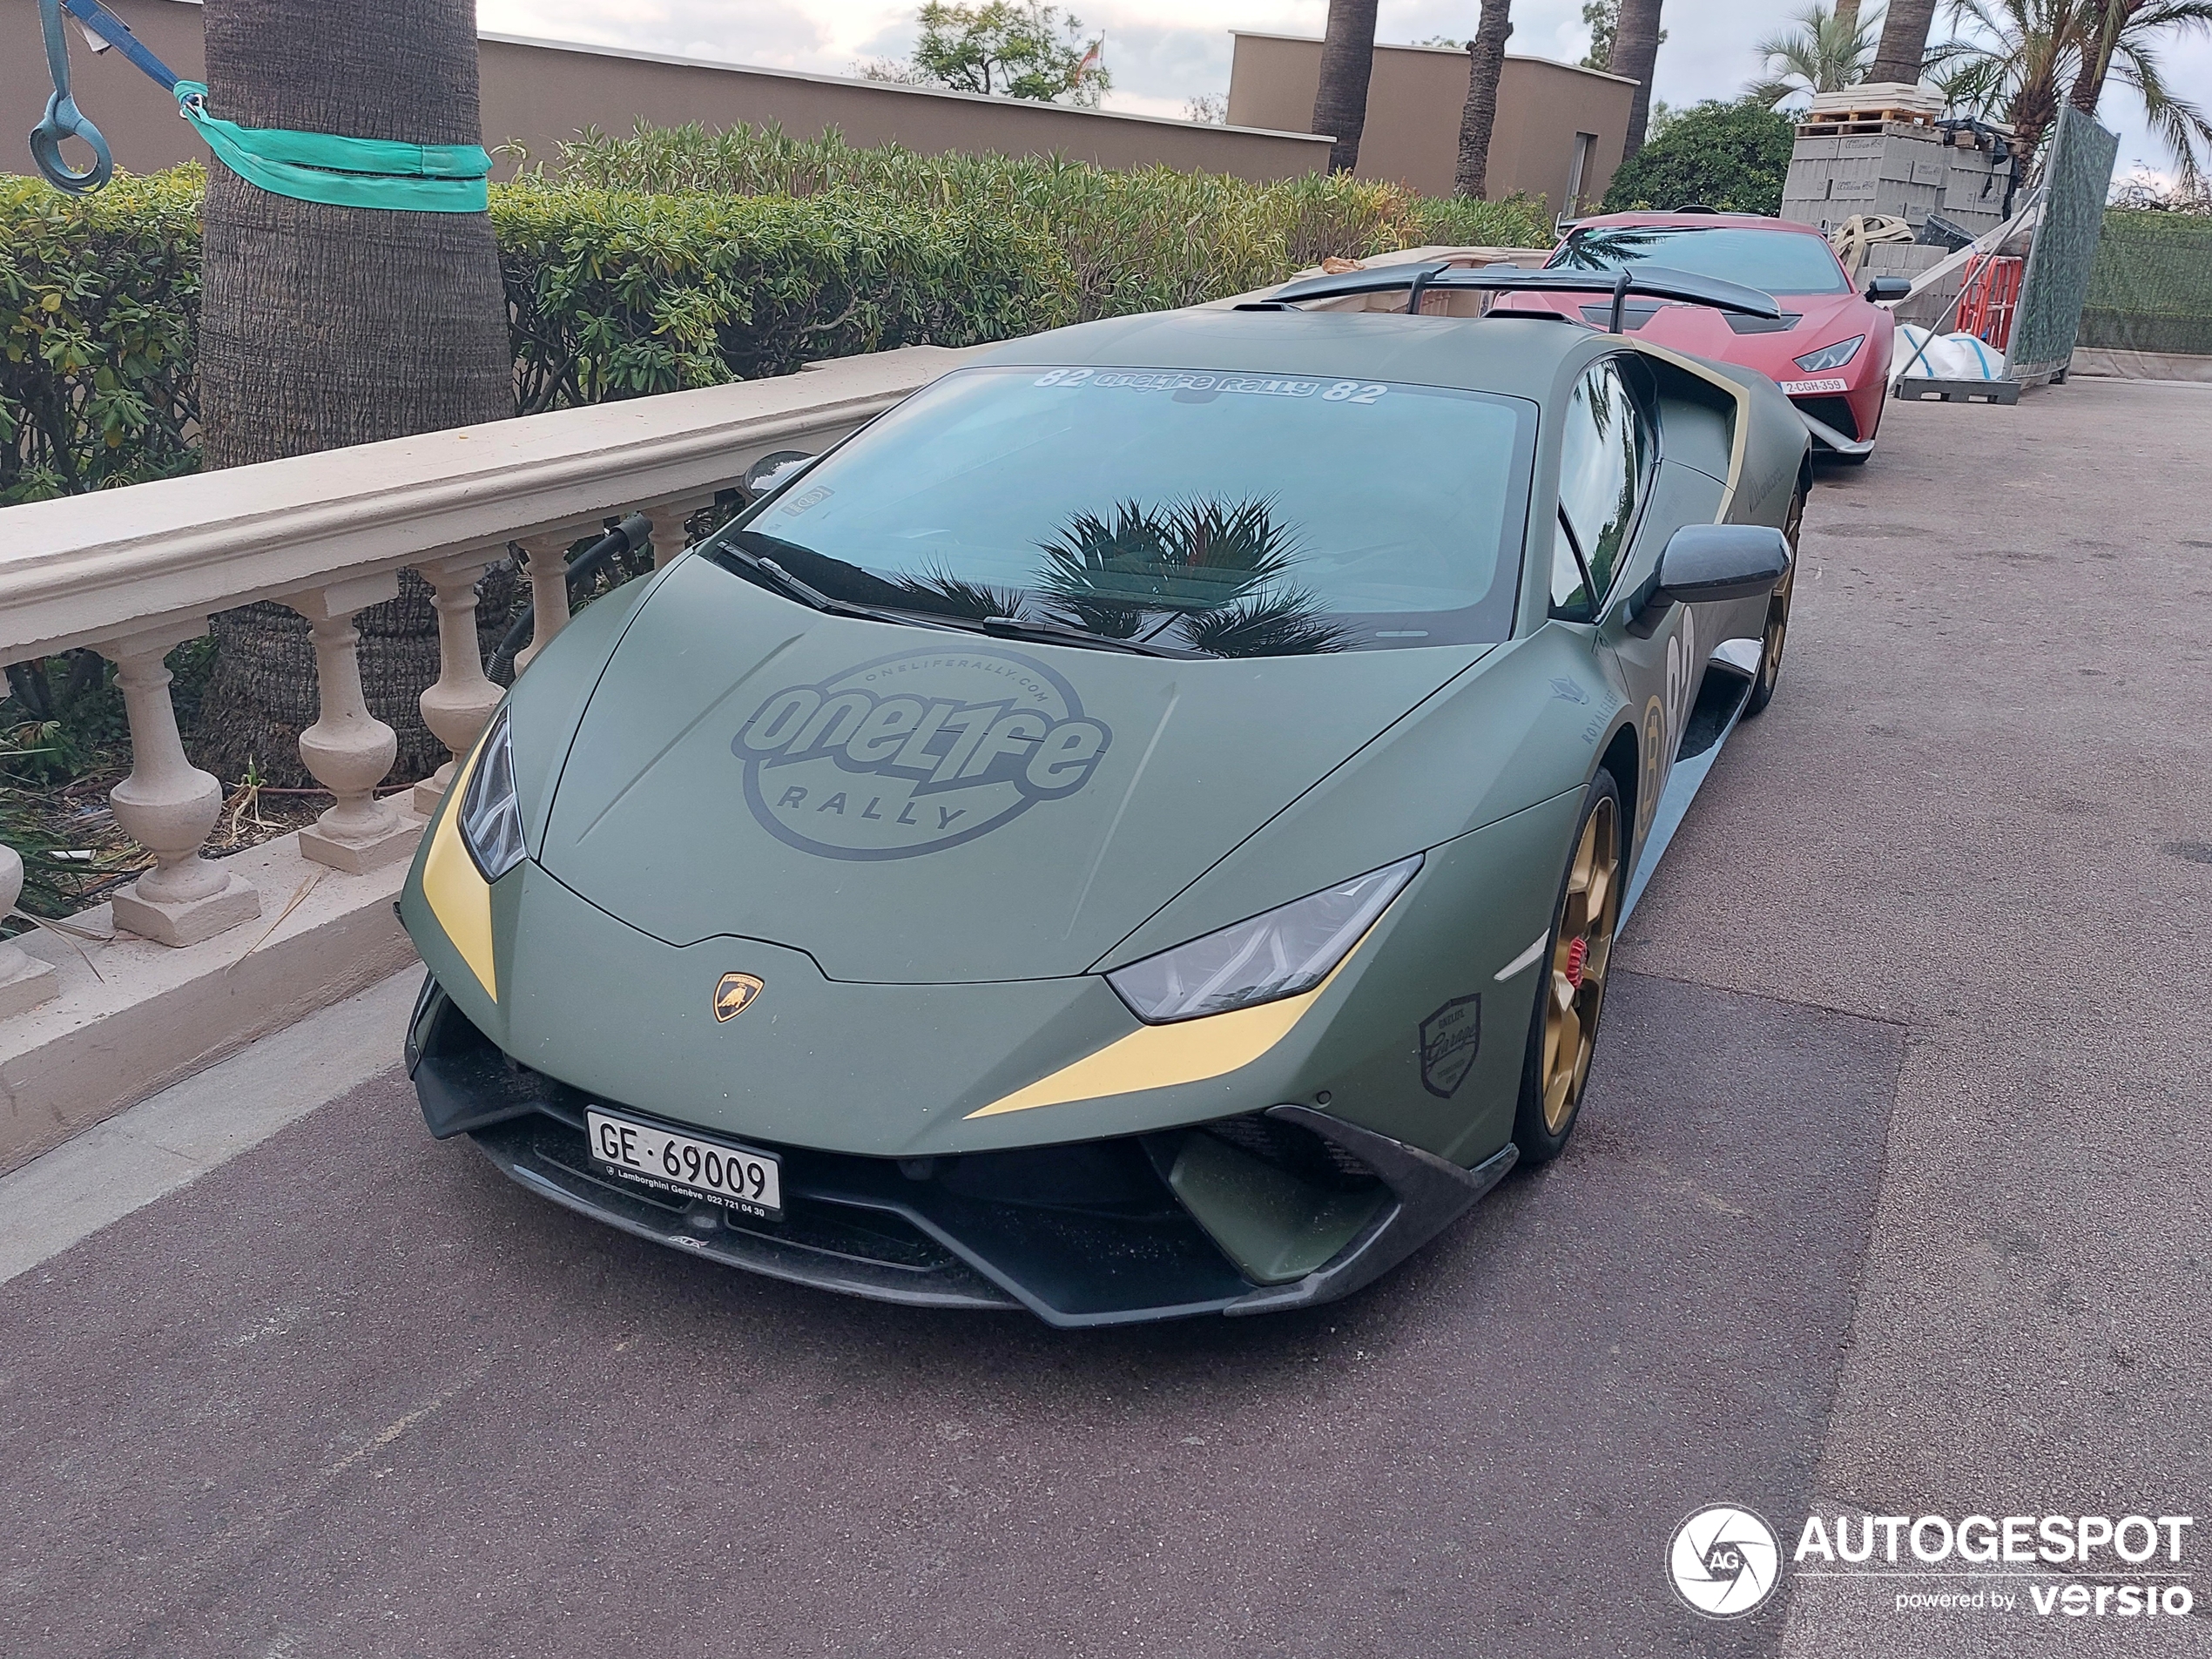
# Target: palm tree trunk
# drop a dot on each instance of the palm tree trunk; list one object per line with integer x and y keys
{"x": 1347, "y": 61}
{"x": 1486, "y": 61}
{"x": 2033, "y": 111}
{"x": 322, "y": 326}
{"x": 1904, "y": 49}
{"x": 1636, "y": 54}
{"x": 2102, "y": 23}
{"x": 1847, "y": 16}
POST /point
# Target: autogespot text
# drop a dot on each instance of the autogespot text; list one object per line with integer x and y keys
{"x": 2128, "y": 1567}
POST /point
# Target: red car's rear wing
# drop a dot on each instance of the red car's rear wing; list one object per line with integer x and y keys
{"x": 1657, "y": 281}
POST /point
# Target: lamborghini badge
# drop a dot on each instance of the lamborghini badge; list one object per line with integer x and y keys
{"x": 734, "y": 995}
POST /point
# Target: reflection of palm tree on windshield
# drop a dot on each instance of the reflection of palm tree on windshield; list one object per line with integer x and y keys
{"x": 1202, "y": 563}
{"x": 1608, "y": 250}
{"x": 942, "y": 593}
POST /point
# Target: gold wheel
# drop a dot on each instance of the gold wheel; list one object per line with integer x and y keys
{"x": 1582, "y": 951}
{"x": 1777, "y": 614}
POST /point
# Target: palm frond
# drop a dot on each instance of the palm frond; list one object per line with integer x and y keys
{"x": 1287, "y": 623}
{"x": 942, "y": 592}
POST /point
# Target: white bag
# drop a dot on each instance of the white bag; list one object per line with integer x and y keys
{"x": 1943, "y": 357}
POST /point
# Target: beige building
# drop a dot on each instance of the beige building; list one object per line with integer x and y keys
{"x": 1559, "y": 135}
{"x": 537, "y": 93}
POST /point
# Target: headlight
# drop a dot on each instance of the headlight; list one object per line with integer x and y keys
{"x": 1834, "y": 356}
{"x": 1286, "y": 952}
{"x": 491, "y": 819}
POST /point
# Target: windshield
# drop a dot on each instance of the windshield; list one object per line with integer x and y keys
{"x": 1235, "y": 514}
{"x": 1771, "y": 261}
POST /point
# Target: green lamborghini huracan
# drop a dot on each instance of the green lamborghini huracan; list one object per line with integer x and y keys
{"x": 1138, "y": 831}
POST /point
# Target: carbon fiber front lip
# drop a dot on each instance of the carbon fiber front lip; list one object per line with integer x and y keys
{"x": 867, "y": 1227}
{"x": 1429, "y": 1194}
{"x": 698, "y": 1230}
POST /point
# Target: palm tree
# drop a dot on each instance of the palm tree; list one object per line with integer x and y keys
{"x": 1825, "y": 53}
{"x": 2009, "y": 66}
{"x": 2017, "y": 58}
{"x": 1486, "y": 61}
{"x": 1904, "y": 49}
{"x": 1347, "y": 63}
{"x": 1636, "y": 54}
{"x": 328, "y": 326}
{"x": 2118, "y": 36}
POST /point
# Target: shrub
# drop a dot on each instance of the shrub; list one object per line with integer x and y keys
{"x": 1137, "y": 240}
{"x": 678, "y": 257}
{"x": 616, "y": 294}
{"x": 99, "y": 297}
{"x": 1729, "y": 156}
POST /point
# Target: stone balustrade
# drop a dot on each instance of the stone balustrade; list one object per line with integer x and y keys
{"x": 132, "y": 573}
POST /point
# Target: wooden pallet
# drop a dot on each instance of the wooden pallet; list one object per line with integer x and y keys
{"x": 1858, "y": 124}
{"x": 1914, "y": 390}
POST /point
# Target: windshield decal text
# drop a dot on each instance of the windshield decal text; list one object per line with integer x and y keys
{"x": 1178, "y": 380}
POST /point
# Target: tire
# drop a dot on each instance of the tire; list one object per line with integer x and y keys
{"x": 1572, "y": 998}
{"x": 1777, "y": 615}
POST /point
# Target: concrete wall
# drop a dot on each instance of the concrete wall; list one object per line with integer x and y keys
{"x": 538, "y": 93}
{"x": 1414, "y": 102}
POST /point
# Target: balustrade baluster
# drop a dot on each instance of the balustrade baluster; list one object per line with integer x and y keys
{"x": 546, "y": 562}
{"x": 168, "y": 805}
{"x": 25, "y": 980}
{"x": 667, "y": 519}
{"x": 348, "y": 749}
{"x": 456, "y": 707}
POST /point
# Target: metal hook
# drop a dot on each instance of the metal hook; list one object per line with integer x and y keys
{"x": 62, "y": 120}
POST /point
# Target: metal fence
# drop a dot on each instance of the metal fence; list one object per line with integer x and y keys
{"x": 2151, "y": 287}
{"x": 2076, "y": 177}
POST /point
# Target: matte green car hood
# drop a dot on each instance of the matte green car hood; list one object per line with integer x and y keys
{"x": 912, "y": 806}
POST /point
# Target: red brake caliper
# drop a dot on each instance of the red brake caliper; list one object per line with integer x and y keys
{"x": 1577, "y": 953}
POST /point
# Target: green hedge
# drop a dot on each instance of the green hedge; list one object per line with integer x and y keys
{"x": 617, "y": 294}
{"x": 1141, "y": 239}
{"x": 678, "y": 259}
{"x": 610, "y": 295}
{"x": 99, "y": 297}
{"x": 2151, "y": 286}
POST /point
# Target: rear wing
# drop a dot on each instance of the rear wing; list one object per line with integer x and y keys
{"x": 1655, "y": 282}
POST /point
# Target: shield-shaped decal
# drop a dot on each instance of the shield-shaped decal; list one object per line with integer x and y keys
{"x": 734, "y": 995}
{"x": 1450, "y": 1038}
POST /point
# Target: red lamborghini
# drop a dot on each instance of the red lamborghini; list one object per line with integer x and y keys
{"x": 1829, "y": 350}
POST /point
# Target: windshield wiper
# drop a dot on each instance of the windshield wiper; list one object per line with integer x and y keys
{"x": 792, "y": 588}
{"x": 1055, "y": 633}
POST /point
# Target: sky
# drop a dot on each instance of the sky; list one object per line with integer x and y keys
{"x": 1162, "y": 52}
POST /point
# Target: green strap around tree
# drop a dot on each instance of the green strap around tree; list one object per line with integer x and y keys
{"x": 344, "y": 172}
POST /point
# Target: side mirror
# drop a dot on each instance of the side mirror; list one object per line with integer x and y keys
{"x": 1887, "y": 288}
{"x": 1704, "y": 563}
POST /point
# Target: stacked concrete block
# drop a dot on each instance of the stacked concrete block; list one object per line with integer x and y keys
{"x": 1899, "y": 170}
{"x": 1974, "y": 188}
{"x": 1903, "y": 169}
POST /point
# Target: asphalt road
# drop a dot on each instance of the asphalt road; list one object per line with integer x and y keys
{"x": 1890, "y": 1194}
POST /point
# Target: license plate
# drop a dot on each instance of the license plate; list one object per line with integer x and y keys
{"x": 1807, "y": 389}
{"x": 735, "y": 1176}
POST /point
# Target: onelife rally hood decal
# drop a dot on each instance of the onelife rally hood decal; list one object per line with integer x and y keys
{"x": 915, "y": 753}
{"x": 915, "y": 806}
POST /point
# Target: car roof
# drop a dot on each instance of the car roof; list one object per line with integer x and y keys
{"x": 1519, "y": 356}
{"x": 1696, "y": 222}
